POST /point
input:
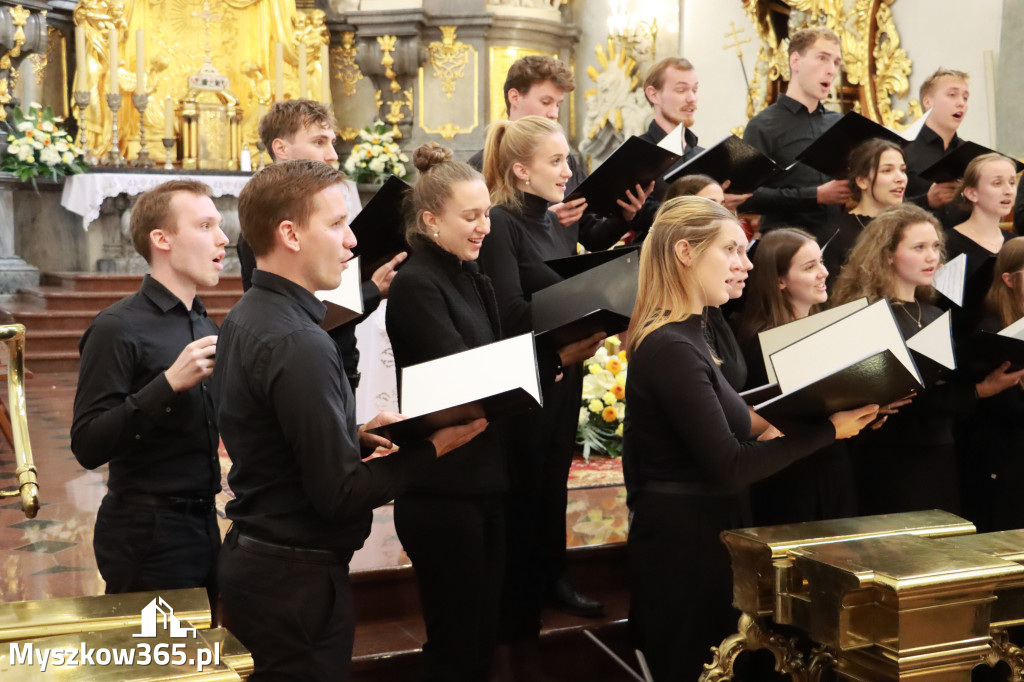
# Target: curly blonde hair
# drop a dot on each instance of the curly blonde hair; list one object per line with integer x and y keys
{"x": 869, "y": 269}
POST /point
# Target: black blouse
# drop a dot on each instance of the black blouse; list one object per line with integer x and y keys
{"x": 980, "y": 265}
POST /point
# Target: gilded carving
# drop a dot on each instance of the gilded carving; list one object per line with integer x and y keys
{"x": 450, "y": 129}
{"x": 344, "y": 62}
{"x": 19, "y": 17}
{"x": 449, "y": 59}
{"x": 387, "y": 46}
{"x": 395, "y": 114}
{"x": 752, "y": 635}
{"x": 1006, "y": 651}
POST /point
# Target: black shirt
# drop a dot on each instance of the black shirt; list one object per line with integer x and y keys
{"x": 924, "y": 151}
{"x": 781, "y": 132}
{"x": 685, "y": 423}
{"x": 287, "y": 417}
{"x": 980, "y": 264}
{"x": 438, "y": 306}
{"x": 838, "y": 237}
{"x": 157, "y": 441}
{"x": 723, "y": 342}
{"x": 655, "y": 134}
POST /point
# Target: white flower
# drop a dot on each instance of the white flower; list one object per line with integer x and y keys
{"x": 61, "y": 146}
{"x": 37, "y": 144}
{"x": 403, "y": 158}
{"x": 400, "y": 170}
{"x": 377, "y": 165}
{"x": 47, "y": 126}
{"x": 350, "y": 164}
{"x": 49, "y": 156}
{"x": 67, "y": 157}
{"x": 620, "y": 410}
{"x": 26, "y": 153}
{"x": 25, "y": 125}
{"x": 596, "y": 385}
{"x": 584, "y": 417}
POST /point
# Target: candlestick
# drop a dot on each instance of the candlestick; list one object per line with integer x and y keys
{"x": 301, "y": 49}
{"x": 114, "y": 155}
{"x": 169, "y": 147}
{"x": 140, "y": 61}
{"x": 278, "y": 71}
{"x": 142, "y": 160}
{"x": 262, "y": 148}
{"x": 82, "y": 98}
{"x": 112, "y": 61}
{"x": 82, "y": 62}
{"x": 168, "y": 117}
{"x": 325, "y": 75}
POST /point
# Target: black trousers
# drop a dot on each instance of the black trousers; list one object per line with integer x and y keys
{"x": 457, "y": 546}
{"x": 680, "y": 580}
{"x": 540, "y": 453}
{"x": 142, "y": 548}
{"x": 295, "y": 618}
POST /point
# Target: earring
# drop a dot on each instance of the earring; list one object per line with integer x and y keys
{"x": 527, "y": 181}
{"x": 437, "y": 234}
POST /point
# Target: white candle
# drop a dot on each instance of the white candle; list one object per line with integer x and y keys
{"x": 82, "y": 64}
{"x": 168, "y": 118}
{"x": 302, "y": 69}
{"x": 140, "y": 62}
{"x": 278, "y": 71}
{"x": 325, "y": 74}
{"x": 113, "y": 88}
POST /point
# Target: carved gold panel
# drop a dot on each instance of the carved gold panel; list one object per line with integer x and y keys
{"x": 449, "y": 61}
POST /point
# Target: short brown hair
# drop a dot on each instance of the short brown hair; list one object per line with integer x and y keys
{"x": 932, "y": 81}
{"x": 802, "y": 40}
{"x": 688, "y": 186}
{"x": 285, "y": 119}
{"x": 656, "y": 76}
{"x": 279, "y": 192}
{"x": 152, "y": 211}
{"x": 528, "y": 71}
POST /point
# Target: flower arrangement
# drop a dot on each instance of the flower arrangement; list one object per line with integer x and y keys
{"x": 39, "y": 146}
{"x": 376, "y": 155}
{"x": 603, "y": 403}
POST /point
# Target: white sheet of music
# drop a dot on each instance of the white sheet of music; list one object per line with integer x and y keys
{"x": 349, "y": 294}
{"x": 853, "y": 338}
{"x": 471, "y": 375}
{"x": 949, "y": 279}
{"x": 773, "y": 340}
{"x": 673, "y": 141}
{"x": 1015, "y": 330}
{"x": 936, "y": 341}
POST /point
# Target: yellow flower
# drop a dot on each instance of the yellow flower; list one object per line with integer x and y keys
{"x": 618, "y": 391}
{"x": 622, "y": 355}
{"x": 618, "y": 431}
{"x": 594, "y": 368}
{"x": 596, "y": 406}
{"x": 620, "y": 379}
{"x": 608, "y": 398}
{"x": 613, "y": 365}
{"x": 609, "y": 414}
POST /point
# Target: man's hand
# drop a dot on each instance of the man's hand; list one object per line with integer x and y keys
{"x": 194, "y": 364}
{"x": 383, "y": 275}
{"x": 447, "y": 439}
{"x": 370, "y": 440}
{"x": 942, "y": 193}
{"x": 634, "y": 202}
{"x": 834, "y": 193}
{"x": 578, "y": 351}
{"x": 569, "y": 213}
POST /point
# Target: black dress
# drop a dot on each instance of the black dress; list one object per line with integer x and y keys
{"x": 688, "y": 458}
{"x": 910, "y": 463}
{"x": 837, "y": 240}
{"x": 980, "y": 264}
{"x": 513, "y": 256}
{"x": 452, "y": 520}
{"x": 722, "y": 341}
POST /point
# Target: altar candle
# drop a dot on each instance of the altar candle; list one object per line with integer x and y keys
{"x": 82, "y": 64}
{"x": 325, "y": 73}
{"x": 168, "y": 118}
{"x": 140, "y": 62}
{"x": 301, "y": 48}
{"x": 278, "y": 71}
{"x": 112, "y": 62}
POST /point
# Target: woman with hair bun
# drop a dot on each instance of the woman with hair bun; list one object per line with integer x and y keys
{"x": 452, "y": 521}
{"x": 526, "y": 168}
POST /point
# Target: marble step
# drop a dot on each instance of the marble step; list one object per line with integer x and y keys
{"x": 100, "y": 281}
{"x": 60, "y": 299}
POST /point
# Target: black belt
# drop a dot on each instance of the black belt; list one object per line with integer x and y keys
{"x": 301, "y": 554}
{"x": 184, "y": 505}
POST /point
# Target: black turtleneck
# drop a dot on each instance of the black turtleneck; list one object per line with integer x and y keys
{"x": 438, "y": 306}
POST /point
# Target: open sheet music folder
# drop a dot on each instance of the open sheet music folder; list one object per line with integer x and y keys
{"x": 830, "y": 152}
{"x": 954, "y": 163}
{"x": 570, "y": 266}
{"x": 635, "y": 162}
{"x": 731, "y": 159}
{"x": 380, "y": 226}
{"x": 777, "y": 338}
{"x": 345, "y": 303}
{"x": 597, "y": 300}
{"x": 493, "y": 381}
{"x": 985, "y": 351}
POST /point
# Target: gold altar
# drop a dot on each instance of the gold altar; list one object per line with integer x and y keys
{"x": 895, "y": 597}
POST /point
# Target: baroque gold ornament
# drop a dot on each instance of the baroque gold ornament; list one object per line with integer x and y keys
{"x": 449, "y": 59}
{"x": 344, "y": 61}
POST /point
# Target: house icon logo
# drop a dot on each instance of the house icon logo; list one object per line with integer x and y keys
{"x": 160, "y": 612}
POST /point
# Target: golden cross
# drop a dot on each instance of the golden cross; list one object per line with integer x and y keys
{"x": 207, "y": 16}
{"x": 735, "y": 35}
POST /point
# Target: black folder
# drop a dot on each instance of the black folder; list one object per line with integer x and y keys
{"x": 953, "y": 164}
{"x": 571, "y": 266}
{"x": 985, "y": 351}
{"x": 380, "y": 227}
{"x": 635, "y": 162}
{"x": 830, "y": 153}
{"x": 598, "y": 300}
{"x": 734, "y": 160}
{"x": 876, "y": 380}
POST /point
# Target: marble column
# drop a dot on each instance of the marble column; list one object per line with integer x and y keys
{"x": 1010, "y": 80}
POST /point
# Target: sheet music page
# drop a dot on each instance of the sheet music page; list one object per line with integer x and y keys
{"x": 839, "y": 345}
{"x": 936, "y": 342}
{"x": 776, "y": 339}
{"x": 349, "y": 293}
{"x": 911, "y": 132}
{"x": 673, "y": 141}
{"x": 949, "y": 279}
{"x": 470, "y": 375}
{"x": 1015, "y": 330}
